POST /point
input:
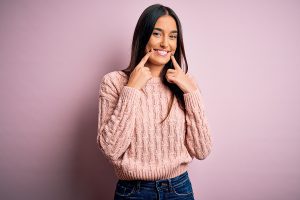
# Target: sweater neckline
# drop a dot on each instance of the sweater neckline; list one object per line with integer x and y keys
{"x": 154, "y": 79}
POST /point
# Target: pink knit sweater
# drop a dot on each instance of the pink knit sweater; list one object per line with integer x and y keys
{"x": 131, "y": 138}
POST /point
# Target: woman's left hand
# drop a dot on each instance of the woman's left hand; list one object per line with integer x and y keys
{"x": 178, "y": 77}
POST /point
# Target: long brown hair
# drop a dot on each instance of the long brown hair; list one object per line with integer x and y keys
{"x": 141, "y": 36}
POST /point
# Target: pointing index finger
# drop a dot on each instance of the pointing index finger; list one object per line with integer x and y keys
{"x": 145, "y": 58}
{"x": 176, "y": 65}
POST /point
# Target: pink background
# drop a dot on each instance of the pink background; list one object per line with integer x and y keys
{"x": 244, "y": 54}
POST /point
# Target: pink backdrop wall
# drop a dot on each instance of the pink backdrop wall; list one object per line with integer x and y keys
{"x": 53, "y": 54}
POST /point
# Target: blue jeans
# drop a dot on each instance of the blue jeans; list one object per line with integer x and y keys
{"x": 179, "y": 187}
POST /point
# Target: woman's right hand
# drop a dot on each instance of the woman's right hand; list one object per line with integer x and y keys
{"x": 141, "y": 74}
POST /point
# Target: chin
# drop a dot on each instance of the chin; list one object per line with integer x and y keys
{"x": 159, "y": 61}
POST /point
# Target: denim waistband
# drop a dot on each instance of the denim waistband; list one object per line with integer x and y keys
{"x": 162, "y": 182}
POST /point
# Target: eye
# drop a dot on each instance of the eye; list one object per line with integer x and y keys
{"x": 173, "y": 36}
{"x": 156, "y": 33}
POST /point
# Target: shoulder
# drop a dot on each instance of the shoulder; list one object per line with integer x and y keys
{"x": 114, "y": 77}
{"x": 113, "y": 82}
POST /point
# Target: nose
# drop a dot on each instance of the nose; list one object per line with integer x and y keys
{"x": 164, "y": 42}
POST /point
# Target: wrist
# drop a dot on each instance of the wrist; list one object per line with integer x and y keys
{"x": 189, "y": 90}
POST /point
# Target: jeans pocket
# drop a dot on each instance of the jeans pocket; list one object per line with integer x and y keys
{"x": 184, "y": 188}
{"x": 124, "y": 190}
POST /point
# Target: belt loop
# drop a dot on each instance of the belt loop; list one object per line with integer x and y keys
{"x": 138, "y": 185}
{"x": 170, "y": 185}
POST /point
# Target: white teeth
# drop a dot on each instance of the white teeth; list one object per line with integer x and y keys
{"x": 162, "y": 52}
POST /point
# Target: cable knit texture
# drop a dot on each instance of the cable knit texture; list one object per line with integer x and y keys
{"x": 131, "y": 137}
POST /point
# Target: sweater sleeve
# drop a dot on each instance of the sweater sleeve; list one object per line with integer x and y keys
{"x": 116, "y": 117}
{"x": 198, "y": 138}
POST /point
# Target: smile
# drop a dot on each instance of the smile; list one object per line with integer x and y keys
{"x": 161, "y": 52}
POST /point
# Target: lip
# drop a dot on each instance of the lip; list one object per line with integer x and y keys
{"x": 162, "y": 50}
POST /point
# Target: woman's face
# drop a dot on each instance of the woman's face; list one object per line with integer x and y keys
{"x": 163, "y": 40}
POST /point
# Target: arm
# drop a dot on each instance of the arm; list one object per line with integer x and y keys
{"x": 116, "y": 118}
{"x": 198, "y": 138}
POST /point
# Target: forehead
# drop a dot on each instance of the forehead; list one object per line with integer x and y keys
{"x": 166, "y": 22}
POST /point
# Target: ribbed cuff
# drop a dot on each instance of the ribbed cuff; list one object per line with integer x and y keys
{"x": 193, "y": 99}
{"x": 130, "y": 93}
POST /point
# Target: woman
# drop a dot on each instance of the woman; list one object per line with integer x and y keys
{"x": 151, "y": 119}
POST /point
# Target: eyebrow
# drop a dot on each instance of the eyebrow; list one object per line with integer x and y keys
{"x": 159, "y": 29}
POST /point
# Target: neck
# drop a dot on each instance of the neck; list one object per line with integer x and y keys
{"x": 154, "y": 69}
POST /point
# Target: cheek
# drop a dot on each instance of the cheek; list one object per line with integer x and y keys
{"x": 174, "y": 45}
{"x": 153, "y": 42}
{"x": 148, "y": 47}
